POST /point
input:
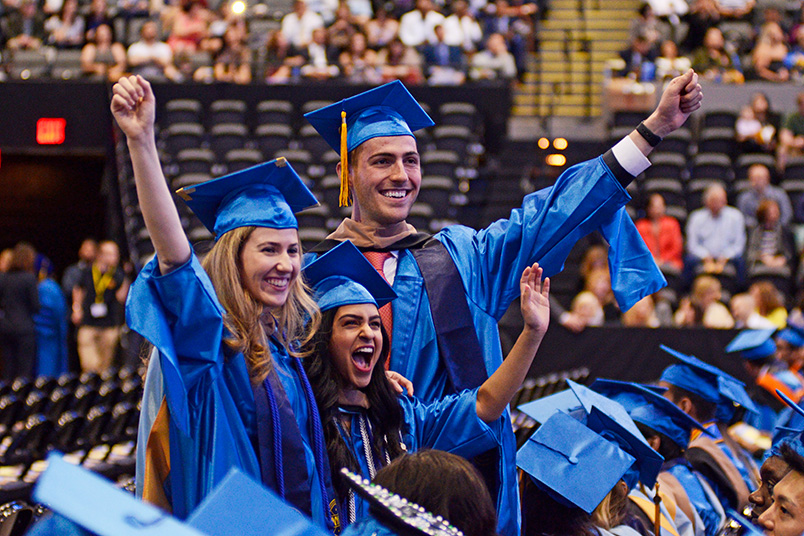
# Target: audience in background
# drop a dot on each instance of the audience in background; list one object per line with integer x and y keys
{"x": 298, "y": 25}
{"x": 24, "y": 28}
{"x": 759, "y": 179}
{"x": 770, "y": 51}
{"x": 714, "y": 62}
{"x": 233, "y": 61}
{"x": 417, "y": 27}
{"x": 19, "y": 302}
{"x": 662, "y": 235}
{"x": 462, "y": 29}
{"x": 495, "y": 62}
{"x": 670, "y": 64}
{"x": 150, "y": 57}
{"x": 66, "y": 30}
{"x": 770, "y": 302}
{"x": 771, "y": 250}
{"x": 444, "y": 64}
{"x": 102, "y": 58}
{"x": 382, "y": 29}
{"x": 791, "y": 135}
{"x": 703, "y": 307}
{"x": 744, "y": 310}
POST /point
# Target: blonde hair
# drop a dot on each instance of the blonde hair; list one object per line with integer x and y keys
{"x": 610, "y": 512}
{"x": 296, "y": 320}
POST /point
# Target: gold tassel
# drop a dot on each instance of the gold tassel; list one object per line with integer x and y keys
{"x": 344, "y": 198}
{"x": 657, "y": 520}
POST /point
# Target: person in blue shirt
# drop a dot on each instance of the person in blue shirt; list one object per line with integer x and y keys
{"x": 366, "y": 424}
{"x": 455, "y": 286}
{"x": 226, "y": 332}
{"x": 51, "y": 323}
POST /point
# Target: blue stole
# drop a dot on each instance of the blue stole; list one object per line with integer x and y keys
{"x": 681, "y": 469}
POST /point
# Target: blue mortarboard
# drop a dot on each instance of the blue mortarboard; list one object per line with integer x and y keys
{"x": 753, "y": 343}
{"x": 793, "y": 334}
{"x": 708, "y": 382}
{"x": 265, "y": 195}
{"x": 609, "y": 419}
{"x": 783, "y": 435}
{"x": 387, "y": 110}
{"x": 571, "y": 463}
{"x": 650, "y": 409}
{"x": 343, "y": 276}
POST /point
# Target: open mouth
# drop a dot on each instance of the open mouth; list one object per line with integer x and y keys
{"x": 278, "y": 283}
{"x": 395, "y": 194}
{"x": 362, "y": 358}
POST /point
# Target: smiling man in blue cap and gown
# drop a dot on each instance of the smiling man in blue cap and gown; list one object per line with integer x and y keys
{"x": 668, "y": 430}
{"x": 202, "y": 413}
{"x": 712, "y": 397}
{"x": 454, "y": 287}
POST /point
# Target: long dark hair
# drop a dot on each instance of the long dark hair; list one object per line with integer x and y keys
{"x": 541, "y": 514}
{"x": 384, "y": 412}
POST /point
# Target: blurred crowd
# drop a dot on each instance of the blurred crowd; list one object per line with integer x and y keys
{"x": 360, "y": 41}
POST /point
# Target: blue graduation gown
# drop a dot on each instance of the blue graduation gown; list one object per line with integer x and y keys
{"x": 450, "y": 424}
{"x": 213, "y": 420}
{"x": 744, "y": 471}
{"x": 51, "y": 330}
{"x": 703, "y": 500}
{"x": 585, "y": 198}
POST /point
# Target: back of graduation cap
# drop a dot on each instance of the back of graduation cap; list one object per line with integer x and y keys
{"x": 387, "y": 110}
{"x": 708, "y": 382}
{"x": 650, "y": 409}
{"x": 571, "y": 463}
{"x": 609, "y": 419}
{"x": 343, "y": 276}
{"x": 265, "y": 195}
{"x": 793, "y": 334}
{"x": 753, "y": 344}
{"x": 791, "y": 438}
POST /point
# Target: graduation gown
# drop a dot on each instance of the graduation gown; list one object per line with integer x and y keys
{"x": 701, "y": 496}
{"x": 210, "y": 411}
{"x": 51, "y": 330}
{"x": 450, "y": 424}
{"x": 586, "y": 197}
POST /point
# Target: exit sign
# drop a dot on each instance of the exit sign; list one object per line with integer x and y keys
{"x": 50, "y": 130}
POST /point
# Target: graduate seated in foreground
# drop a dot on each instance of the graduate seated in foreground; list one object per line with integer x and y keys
{"x": 667, "y": 429}
{"x": 366, "y": 425}
{"x": 772, "y": 470}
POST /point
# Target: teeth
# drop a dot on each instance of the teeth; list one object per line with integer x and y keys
{"x": 277, "y": 282}
{"x": 395, "y": 194}
{"x": 365, "y": 350}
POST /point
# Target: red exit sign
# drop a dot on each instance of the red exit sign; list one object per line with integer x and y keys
{"x": 50, "y": 130}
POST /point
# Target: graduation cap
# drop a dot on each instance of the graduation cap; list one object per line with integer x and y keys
{"x": 343, "y": 276}
{"x": 653, "y": 410}
{"x": 571, "y": 463}
{"x": 609, "y": 419}
{"x": 794, "y": 440}
{"x": 387, "y": 110}
{"x": 708, "y": 382}
{"x": 793, "y": 334}
{"x": 784, "y": 435}
{"x": 265, "y": 195}
{"x": 753, "y": 343}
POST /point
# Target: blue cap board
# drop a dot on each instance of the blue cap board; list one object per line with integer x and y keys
{"x": 793, "y": 334}
{"x": 237, "y": 505}
{"x": 650, "y": 409}
{"x": 343, "y": 276}
{"x": 753, "y": 343}
{"x": 609, "y": 419}
{"x": 571, "y": 463}
{"x": 781, "y": 436}
{"x": 706, "y": 381}
{"x": 265, "y": 195}
{"x": 387, "y": 110}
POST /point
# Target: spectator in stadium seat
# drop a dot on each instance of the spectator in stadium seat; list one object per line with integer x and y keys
{"x": 757, "y": 126}
{"x": 670, "y": 64}
{"x": 444, "y": 64}
{"x": 495, "y": 62}
{"x": 639, "y": 59}
{"x": 98, "y": 14}
{"x": 462, "y": 29}
{"x": 645, "y": 23}
{"x": 703, "y": 15}
{"x": 761, "y": 189}
{"x": 188, "y": 27}
{"x": 318, "y": 63}
{"x": 662, "y": 235}
{"x": 102, "y": 58}
{"x": 358, "y": 62}
{"x": 151, "y": 58}
{"x": 340, "y": 32}
{"x": 298, "y": 25}
{"x": 66, "y": 30}
{"x": 233, "y": 62}
{"x": 641, "y": 315}
{"x": 19, "y": 301}
{"x": 24, "y": 27}
{"x": 585, "y": 311}
{"x": 714, "y": 61}
{"x": 770, "y": 302}
{"x": 599, "y": 283}
{"x": 715, "y": 236}
{"x": 735, "y": 9}
{"x": 514, "y": 21}
{"x": 771, "y": 247}
{"x": 398, "y": 61}
{"x": 382, "y": 29}
{"x": 703, "y": 306}
{"x": 743, "y": 308}
{"x": 280, "y": 59}
{"x": 791, "y": 135}
{"x": 770, "y": 51}
{"x": 417, "y": 27}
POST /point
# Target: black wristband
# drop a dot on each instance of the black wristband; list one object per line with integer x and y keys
{"x": 652, "y": 139}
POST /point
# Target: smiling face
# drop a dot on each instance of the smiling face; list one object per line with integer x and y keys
{"x": 772, "y": 471}
{"x": 385, "y": 177}
{"x": 356, "y": 344}
{"x": 270, "y": 261}
{"x": 785, "y": 517}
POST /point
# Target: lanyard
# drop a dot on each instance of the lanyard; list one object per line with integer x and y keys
{"x": 101, "y": 282}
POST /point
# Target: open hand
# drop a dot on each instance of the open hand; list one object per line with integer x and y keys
{"x": 399, "y": 383}
{"x": 681, "y": 97}
{"x": 133, "y": 107}
{"x": 535, "y": 298}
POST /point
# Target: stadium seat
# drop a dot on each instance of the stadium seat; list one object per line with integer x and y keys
{"x": 274, "y": 112}
{"x": 310, "y": 236}
{"x": 712, "y": 166}
{"x": 190, "y": 179}
{"x": 66, "y": 65}
{"x": 27, "y": 64}
{"x": 453, "y": 138}
{"x": 624, "y": 118}
{"x": 194, "y": 161}
{"x": 227, "y": 111}
{"x": 667, "y": 165}
{"x": 672, "y": 190}
{"x": 180, "y": 136}
{"x": 421, "y": 215}
{"x": 330, "y": 187}
{"x": 315, "y": 217}
{"x": 462, "y": 114}
{"x": 312, "y": 141}
{"x": 719, "y": 118}
{"x": 180, "y": 111}
{"x": 227, "y": 136}
{"x": 299, "y": 159}
{"x": 272, "y": 138}
{"x": 677, "y": 142}
{"x": 439, "y": 163}
{"x": 745, "y": 161}
{"x": 436, "y": 191}
{"x": 794, "y": 169}
{"x": 720, "y": 140}
{"x": 239, "y": 159}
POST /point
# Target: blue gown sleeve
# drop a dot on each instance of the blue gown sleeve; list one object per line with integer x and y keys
{"x": 180, "y": 315}
{"x": 450, "y": 424}
{"x": 586, "y": 197}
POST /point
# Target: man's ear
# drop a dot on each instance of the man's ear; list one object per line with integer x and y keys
{"x": 655, "y": 442}
{"x": 686, "y": 405}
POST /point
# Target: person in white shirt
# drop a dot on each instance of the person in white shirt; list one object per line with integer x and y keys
{"x": 417, "y": 27}
{"x": 461, "y": 29}
{"x": 150, "y": 57}
{"x": 298, "y": 25}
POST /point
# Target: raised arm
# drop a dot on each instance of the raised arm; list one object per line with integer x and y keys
{"x": 496, "y": 392}
{"x": 133, "y": 107}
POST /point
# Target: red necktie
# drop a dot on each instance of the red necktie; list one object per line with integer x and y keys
{"x": 377, "y": 260}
